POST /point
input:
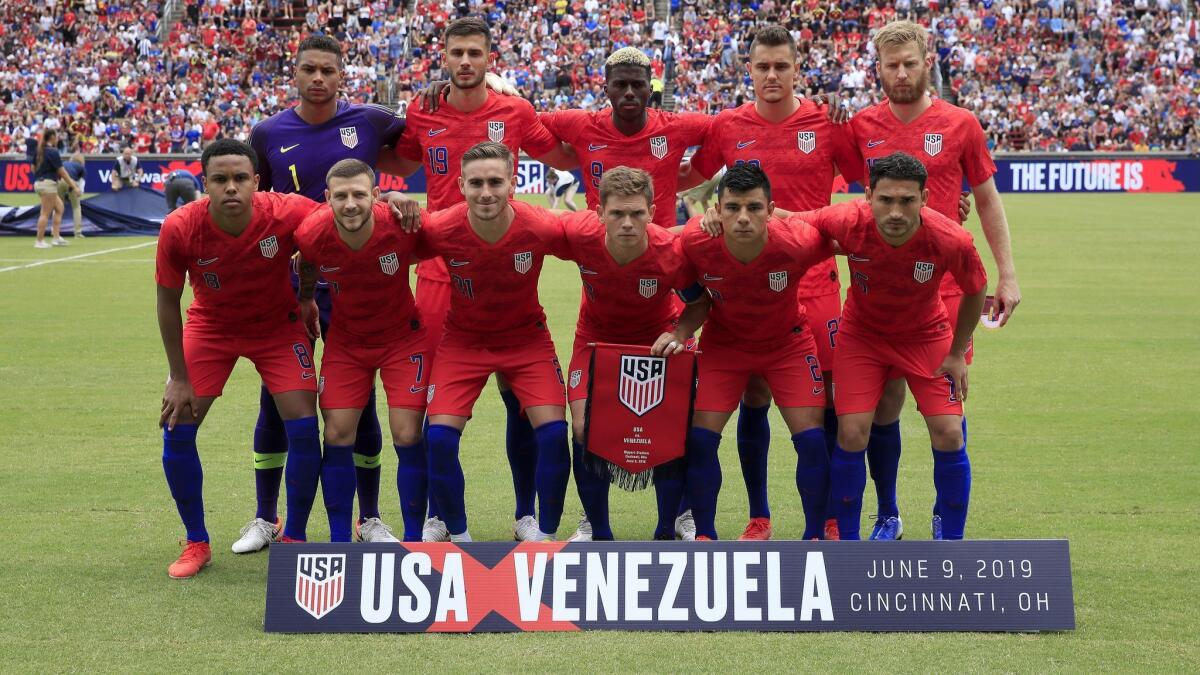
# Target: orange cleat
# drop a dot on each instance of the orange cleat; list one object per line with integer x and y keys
{"x": 284, "y": 539}
{"x": 758, "y": 529}
{"x": 703, "y": 537}
{"x": 831, "y": 530}
{"x": 195, "y": 557}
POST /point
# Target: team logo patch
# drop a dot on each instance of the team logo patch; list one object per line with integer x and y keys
{"x": 496, "y": 131}
{"x": 923, "y": 271}
{"x": 933, "y": 144}
{"x": 211, "y": 280}
{"x": 643, "y": 382}
{"x": 523, "y": 261}
{"x": 320, "y": 385}
{"x": 806, "y": 141}
{"x": 777, "y": 281}
{"x": 269, "y": 246}
{"x": 429, "y": 394}
{"x": 320, "y": 582}
{"x": 576, "y": 376}
{"x": 349, "y": 136}
{"x": 647, "y": 287}
{"x": 389, "y": 263}
{"x": 658, "y": 146}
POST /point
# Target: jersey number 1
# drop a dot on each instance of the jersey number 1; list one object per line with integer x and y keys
{"x": 295, "y": 177}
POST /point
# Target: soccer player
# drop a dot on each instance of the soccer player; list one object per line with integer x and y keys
{"x": 234, "y": 247}
{"x": 895, "y": 325}
{"x": 494, "y": 247}
{"x": 359, "y": 247}
{"x": 468, "y": 115}
{"x": 949, "y": 141}
{"x": 756, "y": 326}
{"x": 297, "y": 147}
{"x": 801, "y": 152}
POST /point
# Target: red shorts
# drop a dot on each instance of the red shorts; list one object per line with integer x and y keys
{"x": 865, "y": 364}
{"x": 284, "y": 360}
{"x": 433, "y": 301}
{"x": 348, "y": 372}
{"x": 460, "y": 373}
{"x": 952, "y": 303}
{"x": 824, "y": 312}
{"x": 793, "y": 373}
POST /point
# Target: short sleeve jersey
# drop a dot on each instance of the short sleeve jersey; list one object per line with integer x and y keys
{"x": 754, "y": 305}
{"x": 240, "y": 284}
{"x": 372, "y": 301}
{"x": 657, "y": 149}
{"x": 894, "y": 289}
{"x": 630, "y": 303}
{"x": 494, "y": 295}
{"x": 799, "y": 156}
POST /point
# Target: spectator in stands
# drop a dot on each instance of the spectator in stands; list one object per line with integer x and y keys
{"x": 127, "y": 171}
{"x": 48, "y": 170}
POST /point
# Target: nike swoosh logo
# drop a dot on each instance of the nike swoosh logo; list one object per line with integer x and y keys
{"x": 290, "y": 147}
{"x": 854, "y": 258}
{"x": 415, "y": 389}
{"x": 746, "y": 144}
{"x": 593, "y": 148}
{"x": 435, "y": 132}
{"x": 459, "y": 263}
{"x": 818, "y": 391}
{"x": 871, "y": 144}
{"x": 202, "y": 262}
{"x": 709, "y": 277}
{"x": 370, "y": 462}
{"x": 307, "y": 376}
{"x": 584, "y": 270}
{"x": 262, "y": 461}
{"x": 329, "y": 269}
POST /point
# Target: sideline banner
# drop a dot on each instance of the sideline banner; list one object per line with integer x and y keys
{"x": 670, "y": 586}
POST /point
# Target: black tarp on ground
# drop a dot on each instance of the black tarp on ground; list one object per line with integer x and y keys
{"x": 138, "y": 210}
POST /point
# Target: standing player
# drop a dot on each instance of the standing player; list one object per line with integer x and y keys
{"x": 234, "y": 246}
{"x": 296, "y": 148}
{"x": 895, "y": 325}
{"x": 756, "y": 327}
{"x": 359, "y": 247}
{"x": 471, "y": 114}
{"x": 949, "y": 141}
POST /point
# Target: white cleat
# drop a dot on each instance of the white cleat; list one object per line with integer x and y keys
{"x": 435, "y": 530}
{"x": 374, "y": 531}
{"x": 41, "y": 244}
{"x": 257, "y": 535}
{"x": 59, "y": 241}
{"x": 583, "y": 532}
{"x": 526, "y": 529}
{"x": 464, "y": 538}
{"x": 685, "y": 526}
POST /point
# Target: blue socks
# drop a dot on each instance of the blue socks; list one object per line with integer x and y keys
{"x": 270, "y": 455}
{"x": 593, "y": 494}
{"x": 847, "y": 480}
{"x": 337, "y": 487}
{"x": 412, "y": 483}
{"x": 446, "y": 481}
{"x": 883, "y": 451}
{"x": 302, "y": 472}
{"x": 754, "y": 442}
{"x": 704, "y": 479}
{"x": 181, "y": 464}
{"x": 522, "y": 448}
{"x": 668, "y": 492}
{"x": 812, "y": 479}
{"x": 553, "y": 473}
{"x": 434, "y": 512}
{"x": 368, "y": 444}
{"x": 952, "y": 480}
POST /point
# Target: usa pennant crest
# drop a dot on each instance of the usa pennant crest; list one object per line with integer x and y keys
{"x": 639, "y": 408}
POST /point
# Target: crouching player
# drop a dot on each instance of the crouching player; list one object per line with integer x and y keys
{"x": 895, "y": 325}
{"x": 358, "y": 246}
{"x": 755, "y": 326}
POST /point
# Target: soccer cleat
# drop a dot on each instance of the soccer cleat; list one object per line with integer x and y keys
{"x": 41, "y": 244}
{"x": 831, "y": 530}
{"x": 374, "y": 531}
{"x": 435, "y": 530}
{"x": 685, "y": 526}
{"x": 79, "y": 234}
{"x": 463, "y": 538}
{"x": 59, "y": 241}
{"x": 758, "y": 529}
{"x": 257, "y": 535}
{"x": 526, "y": 529}
{"x": 583, "y": 532}
{"x": 887, "y": 529}
{"x": 284, "y": 539}
{"x": 935, "y": 527}
{"x": 195, "y": 557}
{"x": 702, "y": 537}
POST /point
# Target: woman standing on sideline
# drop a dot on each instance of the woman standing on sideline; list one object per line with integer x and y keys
{"x": 48, "y": 170}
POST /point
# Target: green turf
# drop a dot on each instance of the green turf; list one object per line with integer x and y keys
{"x": 1083, "y": 425}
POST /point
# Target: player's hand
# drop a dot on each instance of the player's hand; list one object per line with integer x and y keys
{"x": 711, "y": 223}
{"x": 955, "y": 367}
{"x": 499, "y": 84}
{"x": 1008, "y": 296}
{"x": 310, "y": 316}
{"x": 838, "y": 108}
{"x": 668, "y": 344}
{"x": 964, "y": 206}
{"x": 178, "y": 397}
{"x": 405, "y": 209}
{"x": 431, "y": 98}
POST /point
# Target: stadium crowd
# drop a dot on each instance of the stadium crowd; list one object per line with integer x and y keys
{"x": 1041, "y": 74}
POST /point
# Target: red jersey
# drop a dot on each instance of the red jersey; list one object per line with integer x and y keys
{"x": 657, "y": 149}
{"x": 439, "y": 140}
{"x": 894, "y": 291}
{"x": 240, "y": 284}
{"x": 630, "y": 303}
{"x": 494, "y": 297}
{"x": 372, "y": 303}
{"x": 754, "y": 305}
{"x": 799, "y": 156}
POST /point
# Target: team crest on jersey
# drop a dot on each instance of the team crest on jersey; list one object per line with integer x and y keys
{"x": 523, "y": 262}
{"x": 806, "y": 141}
{"x": 777, "y": 281}
{"x": 211, "y": 280}
{"x": 658, "y": 147}
{"x": 576, "y": 376}
{"x": 389, "y": 263}
{"x": 320, "y": 582}
{"x": 496, "y": 130}
{"x": 643, "y": 383}
{"x": 349, "y": 136}
{"x": 269, "y": 246}
{"x": 933, "y": 144}
{"x": 647, "y": 287}
{"x": 923, "y": 272}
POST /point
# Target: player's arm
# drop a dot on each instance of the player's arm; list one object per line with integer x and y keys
{"x": 179, "y": 393}
{"x": 309, "y": 315}
{"x": 390, "y": 162}
{"x": 693, "y": 316}
{"x": 258, "y": 142}
{"x": 955, "y": 363}
{"x": 561, "y": 157}
{"x": 405, "y": 209}
{"x": 689, "y": 177}
{"x": 995, "y": 229}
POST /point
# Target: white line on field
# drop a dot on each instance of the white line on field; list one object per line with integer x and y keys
{"x": 77, "y": 257}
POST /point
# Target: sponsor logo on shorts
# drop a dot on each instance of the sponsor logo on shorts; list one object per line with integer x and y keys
{"x": 415, "y": 389}
{"x": 349, "y": 136}
{"x": 320, "y": 582}
{"x": 658, "y": 147}
{"x": 389, "y": 263}
{"x": 576, "y": 376}
{"x": 817, "y": 391}
{"x": 923, "y": 271}
{"x": 206, "y": 261}
{"x": 523, "y": 261}
{"x": 643, "y": 383}
{"x": 269, "y": 246}
{"x": 592, "y": 147}
{"x": 496, "y": 130}
{"x": 307, "y": 375}
{"x": 806, "y": 141}
{"x": 933, "y": 144}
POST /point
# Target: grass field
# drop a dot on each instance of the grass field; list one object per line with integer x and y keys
{"x": 1083, "y": 415}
